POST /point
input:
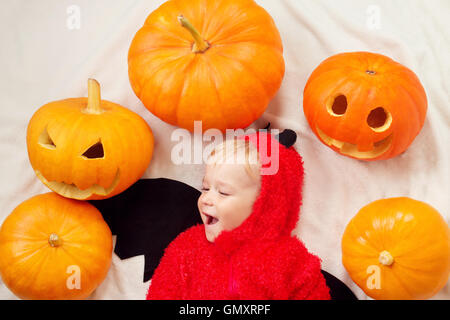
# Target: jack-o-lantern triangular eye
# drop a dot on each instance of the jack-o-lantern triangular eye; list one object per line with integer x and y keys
{"x": 45, "y": 140}
{"x": 94, "y": 152}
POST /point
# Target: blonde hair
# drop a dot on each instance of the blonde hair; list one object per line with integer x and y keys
{"x": 237, "y": 151}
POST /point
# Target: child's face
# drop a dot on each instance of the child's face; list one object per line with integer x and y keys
{"x": 227, "y": 198}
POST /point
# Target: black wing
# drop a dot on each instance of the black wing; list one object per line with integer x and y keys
{"x": 148, "y": 216}
{"x": 338, "y": 289}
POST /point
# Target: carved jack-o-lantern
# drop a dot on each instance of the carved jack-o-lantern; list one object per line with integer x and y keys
{"x": 88, "y": 148}
{"x": 364, "y": 105}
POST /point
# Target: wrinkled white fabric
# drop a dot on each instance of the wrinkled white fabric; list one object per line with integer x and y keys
{"x": 42, "y": 59}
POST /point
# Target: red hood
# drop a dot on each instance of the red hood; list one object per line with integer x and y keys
{"x": 276, "y": 210}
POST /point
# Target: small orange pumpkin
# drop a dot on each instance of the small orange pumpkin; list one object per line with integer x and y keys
{"x": 88, "y": 148}
{"x": 397, "y": 248}
{"x": 215, "y": 61}
{"x": 364, "y": 105}
{"x": 52, "y": 247}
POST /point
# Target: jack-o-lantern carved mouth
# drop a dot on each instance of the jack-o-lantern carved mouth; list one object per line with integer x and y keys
{"x": 351, "y": 149}
{"x": 72, "y": 191}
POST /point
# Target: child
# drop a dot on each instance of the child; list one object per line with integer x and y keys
{"x": 244, "y": 249}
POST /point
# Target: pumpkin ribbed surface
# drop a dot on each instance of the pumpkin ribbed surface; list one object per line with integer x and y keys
{"x": 215, "y": 61}
{"x": 397, "y": 248}
{"x": 54, "y": 248}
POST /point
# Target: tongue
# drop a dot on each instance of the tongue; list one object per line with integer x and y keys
{"x": 213, "y": 220}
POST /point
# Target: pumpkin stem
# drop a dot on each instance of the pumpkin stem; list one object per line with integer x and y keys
{"x": 94, "y": 99}
{"x": 200, "y": 45}
{"x": 386, "y": 258}
{"x": 54, "y": 240}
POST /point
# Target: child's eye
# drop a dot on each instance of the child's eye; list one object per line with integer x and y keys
{"x": 205, "y": 189}
{"x": 224, "y": 193}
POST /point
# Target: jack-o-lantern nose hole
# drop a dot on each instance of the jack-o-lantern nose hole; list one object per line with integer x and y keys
{"x": 339, "y": 106}
{"x": 45, "y": 140}
{"x": 379, "y": 119}
{"x": 95, "y": 151}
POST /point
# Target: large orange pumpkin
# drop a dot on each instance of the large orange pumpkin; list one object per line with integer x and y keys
{"x": 88, "y": 148}
{"x": 52, "y": 247}
{"x": 397, "y": 248}
{"x": 364, "y": 105}
{"x": 215, "y": 61}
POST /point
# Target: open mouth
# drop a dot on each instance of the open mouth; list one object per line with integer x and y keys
{"x": 72, "y": 191}
{"x": 210, "y": 220}
{"x": 351, "y": 149}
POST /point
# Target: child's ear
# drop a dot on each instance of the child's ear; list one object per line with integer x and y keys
{"x": 287, "y": 138}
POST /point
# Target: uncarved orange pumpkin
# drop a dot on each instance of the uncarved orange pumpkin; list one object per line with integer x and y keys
{"x": 52, "y": 247}
{"x": 364, "y": 105}
{"x": 88, "y": 148}
{"x": 397, "y": 248}
{"x": 215, "y": 61}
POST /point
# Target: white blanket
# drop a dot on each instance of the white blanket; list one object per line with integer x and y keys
{"x": 48, "y": 54}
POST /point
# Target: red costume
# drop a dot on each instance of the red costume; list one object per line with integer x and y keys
{"x": 257, "y": 260}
